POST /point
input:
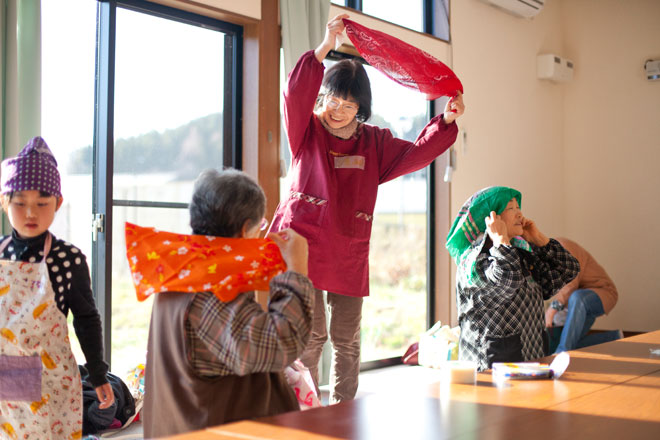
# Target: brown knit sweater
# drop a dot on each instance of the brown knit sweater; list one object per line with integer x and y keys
{"x": 592, "y": 276}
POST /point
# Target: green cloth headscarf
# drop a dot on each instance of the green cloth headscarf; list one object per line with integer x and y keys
{"x": 466, "y": 233}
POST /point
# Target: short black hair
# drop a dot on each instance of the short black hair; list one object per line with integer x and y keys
{"x": 348, "y": 78}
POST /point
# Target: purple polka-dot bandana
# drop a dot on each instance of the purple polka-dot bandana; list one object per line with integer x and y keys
{"x": 35, "y": 168}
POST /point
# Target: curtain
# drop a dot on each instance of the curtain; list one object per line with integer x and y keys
{"x": 303, "y": 27}
{"x": 20, "y": 75}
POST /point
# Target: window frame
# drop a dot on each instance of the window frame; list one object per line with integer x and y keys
{"x": 103, "y": 141}
{"x": 428, "y": 8}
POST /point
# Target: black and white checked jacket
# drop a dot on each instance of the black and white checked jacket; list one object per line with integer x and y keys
{"x": 502, "y": 316}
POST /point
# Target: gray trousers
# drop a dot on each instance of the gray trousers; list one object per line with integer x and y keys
{"x": 345, "y": 314}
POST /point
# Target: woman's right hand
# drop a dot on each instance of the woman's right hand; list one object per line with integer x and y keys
{"x": 497, "y": 230}
{"x": 293, "y": 248}
{"x": 334, "y": 28}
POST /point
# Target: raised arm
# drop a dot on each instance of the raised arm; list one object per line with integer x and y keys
{"x": 500, "y": 275}
{"x": 399, "y": 157}
{"x": 243, "y": 337}
{"x": 302, "y": 89}
{"x": 557, "y": 267}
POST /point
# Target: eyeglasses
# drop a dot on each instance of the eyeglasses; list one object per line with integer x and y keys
{"x": 337, "y": 104}
{"x": 264, "y": 224}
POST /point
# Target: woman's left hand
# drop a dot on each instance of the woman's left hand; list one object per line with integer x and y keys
{"x": 454, "y": 108}
{"x": 532, "y": 234}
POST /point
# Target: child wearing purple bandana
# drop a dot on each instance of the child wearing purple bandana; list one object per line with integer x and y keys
{"x": 34, "y": 345}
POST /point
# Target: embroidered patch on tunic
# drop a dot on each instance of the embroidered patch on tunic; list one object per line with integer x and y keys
{"x": 349, "y": 162}
{"x": 307, "y": 198}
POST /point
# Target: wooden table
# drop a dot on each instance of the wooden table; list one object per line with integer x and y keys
{"x": 610, "y": 390}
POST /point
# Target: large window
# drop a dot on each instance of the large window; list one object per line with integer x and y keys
{"x": 410, "y": 16}
{"x": 395, "y": 313}
{"x": 164, "y": 106}
{"x": 173, "y": 113}
{"x": 429, "y": 16}
{"x": 167, "y": 128}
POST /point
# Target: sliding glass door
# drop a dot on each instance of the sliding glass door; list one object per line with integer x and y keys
{"x": 167, "y": 107}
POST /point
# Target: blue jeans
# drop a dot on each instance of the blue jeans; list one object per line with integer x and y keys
{"x": 584, "y": 306}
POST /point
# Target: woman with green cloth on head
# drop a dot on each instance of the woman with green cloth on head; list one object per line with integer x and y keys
{"x": 506, "y": 268}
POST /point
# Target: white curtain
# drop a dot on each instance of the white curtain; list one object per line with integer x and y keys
{"x": 303, "y": 27}
{"x": 20, "y": 73}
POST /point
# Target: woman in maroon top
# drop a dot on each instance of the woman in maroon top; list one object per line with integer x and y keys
{"x": 338, "y": 162}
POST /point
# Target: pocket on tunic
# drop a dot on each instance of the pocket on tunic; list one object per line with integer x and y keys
{"x": 20, "y": 378}
{"x": 362, "y": 225}
{"x": 359, "y": 244}
{"x": 304, "y": 213}
{"x": 503, "y": 349}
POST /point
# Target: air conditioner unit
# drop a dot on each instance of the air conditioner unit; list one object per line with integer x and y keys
{"x": 520, "y": 8}
{"x": 554, "y": 68}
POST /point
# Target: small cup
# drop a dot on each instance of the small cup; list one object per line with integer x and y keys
{"x": 459, "y": 372}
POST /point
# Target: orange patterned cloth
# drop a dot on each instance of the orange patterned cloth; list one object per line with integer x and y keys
{"x": 164, "y": 261}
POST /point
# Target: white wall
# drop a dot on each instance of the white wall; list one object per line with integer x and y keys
{"x": 249, "y": 8}
{"x": 612, "y": 149}
{"x": 584, "y": 154}
{"x": 513, "y": 121}
{"x": 217, "y": 8}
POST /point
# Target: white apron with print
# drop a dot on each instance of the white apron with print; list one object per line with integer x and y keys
{"x": 40, "y": 387}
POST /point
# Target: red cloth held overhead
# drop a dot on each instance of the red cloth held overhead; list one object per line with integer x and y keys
{"x": 404, "y": 63}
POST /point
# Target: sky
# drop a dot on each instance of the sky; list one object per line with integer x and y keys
{"x": 67, "y": 48}
{"x": 160, "y": 82}
{"x": 409, "y": 15}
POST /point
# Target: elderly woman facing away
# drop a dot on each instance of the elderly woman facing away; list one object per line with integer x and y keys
{"x": 211, "y": 362}
{"x": 506, "y": 267}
